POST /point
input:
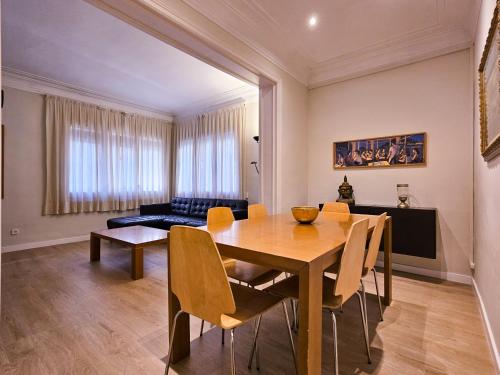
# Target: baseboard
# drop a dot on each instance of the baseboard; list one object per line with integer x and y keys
{"x": 450, "y": 276}
{"x": 33, "y": 245}
{"x": 487, "y": 326}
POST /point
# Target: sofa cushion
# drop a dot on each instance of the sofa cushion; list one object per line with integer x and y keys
{"x": 180, "y": 206}
{"x": 200, "y": 206}
{"x": 194, "y": 222}
{"x": 170, "y": 220}
{"x": 155, "y": 209}
{"x": 128, "y": 221}
{"x": 233, "y": 204}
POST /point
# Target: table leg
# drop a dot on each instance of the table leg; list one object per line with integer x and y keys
{"x": 310, "y": 319}
{"x": 180, "y": 344}
{"x": 95, "y": 248}
{"x": 388, "y": 262}
{"x": 137, "y": 263}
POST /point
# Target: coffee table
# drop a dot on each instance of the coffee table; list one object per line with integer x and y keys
{"x": 137, "y": 237}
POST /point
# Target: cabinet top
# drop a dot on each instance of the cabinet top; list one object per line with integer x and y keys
{"x": 396, "y": 207}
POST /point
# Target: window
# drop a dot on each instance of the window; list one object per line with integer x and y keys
{"x": 121, "y": 166}
{"x": 102, "y": 160}
{"x": 209, "y": 167}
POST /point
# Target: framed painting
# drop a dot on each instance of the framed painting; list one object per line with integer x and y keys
{"x": 489, "y": 91}
{"x": 407, "y": 150}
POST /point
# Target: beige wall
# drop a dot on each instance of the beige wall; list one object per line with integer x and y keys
{"x": 431, "y": 96}
{"x": 486, "y": 202}
{"x": 24, "y": 178}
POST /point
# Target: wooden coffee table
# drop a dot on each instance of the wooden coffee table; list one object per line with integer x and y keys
{"x": 137, "y": 237}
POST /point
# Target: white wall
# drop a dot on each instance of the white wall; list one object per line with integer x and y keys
{"x": 1, "y": 177}
{"x": 185, "y": 28}
{"x": 252, "y": 151}
{"x": 23, "y": 117}
{"x": 431, "y": 96}
{"x": 486, "y": 202}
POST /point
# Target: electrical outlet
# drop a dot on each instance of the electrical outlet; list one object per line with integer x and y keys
{"x": 15, "y": 231}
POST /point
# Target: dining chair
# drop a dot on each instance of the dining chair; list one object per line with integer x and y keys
{"x": 199, "y": 281}
{"x": 339, "y": 207}
{"x": 338, "y": 291}
{"x": 370, "y": 260}
{"x": 257, "y": 210}
{"x": 251, "y": 274}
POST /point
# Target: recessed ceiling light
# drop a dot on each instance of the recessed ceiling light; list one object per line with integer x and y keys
{"x": 313, "y": 21}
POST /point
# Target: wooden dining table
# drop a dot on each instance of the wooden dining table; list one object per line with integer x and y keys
{"x": 279, "y": 242}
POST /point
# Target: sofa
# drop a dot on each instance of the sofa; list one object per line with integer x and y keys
{"x": 180, "y": 211}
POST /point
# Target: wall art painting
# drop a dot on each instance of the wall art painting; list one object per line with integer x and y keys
{"x": 383, "y": 152}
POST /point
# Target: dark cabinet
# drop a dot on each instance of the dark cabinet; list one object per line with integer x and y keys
{"x": 413, "y": 229}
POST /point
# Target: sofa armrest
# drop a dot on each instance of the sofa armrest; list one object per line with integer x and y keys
{"x": 155, "y": 209}
{"x": 240, "y": 214}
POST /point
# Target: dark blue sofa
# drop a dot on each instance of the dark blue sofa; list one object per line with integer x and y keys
{"x": 180, "y": 211}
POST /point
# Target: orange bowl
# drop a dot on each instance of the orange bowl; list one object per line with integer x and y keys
{"x": 305, "y": 214}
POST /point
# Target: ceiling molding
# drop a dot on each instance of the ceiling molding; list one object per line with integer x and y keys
{"x": 40, "y": 85}
{"x": 441, "y": 35}
{"x": 243, "y": 93}
{"x": 389, "y": 55}
{"x": 299, "y": 71}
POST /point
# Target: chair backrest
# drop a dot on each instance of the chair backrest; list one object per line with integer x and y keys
{"x": 198, "y": 277}
{"x": 374, "y": 246}
{"x": 218, "y": 215}
{"x": 351, "y": 261}
{"x": 257, "y": 210}
{"x": 339, "y": 207}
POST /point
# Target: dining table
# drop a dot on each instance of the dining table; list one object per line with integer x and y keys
{"x": 306, "y": 250}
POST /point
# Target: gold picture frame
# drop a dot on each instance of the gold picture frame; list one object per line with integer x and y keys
{"x": 489, "y": 91}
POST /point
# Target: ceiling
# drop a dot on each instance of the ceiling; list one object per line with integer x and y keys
{"x": 351, "y": 38}
{"x": 79, "y": 46}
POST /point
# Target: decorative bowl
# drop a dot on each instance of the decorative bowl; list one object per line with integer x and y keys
{"x": 305, "y": 214}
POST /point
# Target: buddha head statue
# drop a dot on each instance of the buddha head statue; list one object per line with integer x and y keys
{"x": 346, "y": 192}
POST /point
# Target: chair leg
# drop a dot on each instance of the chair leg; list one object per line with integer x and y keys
{"x": 254, "y": 344}
{"x": 201, "y": 328}
{"x": 365, "y": 326}
{"x": 294, "y": 315}
{"x": 363, "y": 294}
{"x": 223, "y": 337}
{"x": 167, "y": 367}
{"x": 295, "y": 310}
{"x": 233, "y": 364}
{"x": 378, "y": 295}
{"x": 290, "y": 334}
{"x": 335, "y": 343}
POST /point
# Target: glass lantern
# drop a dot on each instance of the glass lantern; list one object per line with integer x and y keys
{"x": 403, "y": 195}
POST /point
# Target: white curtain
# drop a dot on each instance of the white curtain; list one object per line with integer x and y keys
{"x": 102, "y": 160}
{"x": 209, "y": 154}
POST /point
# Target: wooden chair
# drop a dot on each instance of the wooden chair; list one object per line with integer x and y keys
{"x": 199, "y": 281}
{"x": 339, "y": 207}
{"x": 336, "y": 292}
{"x": 248, "y": 273}
{"x": 257, "y": 210}
{"x": 370, "y": 260}
{"x": 221, "y": 215}
{"x": 251, "y": 274}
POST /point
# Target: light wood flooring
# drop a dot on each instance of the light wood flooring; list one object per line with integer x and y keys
{"x": 63, "y": 315}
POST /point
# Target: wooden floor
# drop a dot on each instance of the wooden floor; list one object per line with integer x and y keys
{"x": 64, "y": 315}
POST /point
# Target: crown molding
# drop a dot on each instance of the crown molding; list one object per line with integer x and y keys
{"x": 298, "y": 70}
{"x": 228, "y": 98}
{"x": 389, "y": 55}
{"x": 417, "y": 45}
{"x": 21, "y": 80}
